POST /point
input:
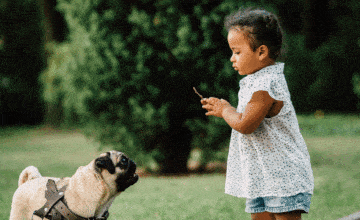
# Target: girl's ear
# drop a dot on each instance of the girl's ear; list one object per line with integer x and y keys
{"x": 263, "y": 52}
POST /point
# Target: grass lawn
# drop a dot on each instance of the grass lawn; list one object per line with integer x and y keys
{"x": 335, "y": 162}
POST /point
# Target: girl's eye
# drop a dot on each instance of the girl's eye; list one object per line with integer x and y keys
{"x": 237, "y": 53}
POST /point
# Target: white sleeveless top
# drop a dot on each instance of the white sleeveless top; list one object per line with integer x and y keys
{"x": 273, "y": 160}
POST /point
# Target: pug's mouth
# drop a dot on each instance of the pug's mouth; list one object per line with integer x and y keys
{"x": 125, "y": 180}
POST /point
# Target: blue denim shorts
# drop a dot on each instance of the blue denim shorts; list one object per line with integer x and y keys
{"x": 275, "y": 204}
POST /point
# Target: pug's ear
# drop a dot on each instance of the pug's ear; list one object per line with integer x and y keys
{"x": 105, "y": 163}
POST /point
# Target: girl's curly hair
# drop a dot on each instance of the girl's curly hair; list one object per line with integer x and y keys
{"x": 261, "y": 27}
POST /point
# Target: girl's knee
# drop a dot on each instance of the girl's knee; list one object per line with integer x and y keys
{"x": 263, "y": 216}
{"x": 293, "y": 215}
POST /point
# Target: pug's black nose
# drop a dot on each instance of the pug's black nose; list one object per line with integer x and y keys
{"x": 132, "y": 167}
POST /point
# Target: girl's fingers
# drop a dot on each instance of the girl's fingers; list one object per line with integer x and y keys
{"x": 211, "y": 100}
{"x": 203, "y": 101}
{"x": 207, "y": 107}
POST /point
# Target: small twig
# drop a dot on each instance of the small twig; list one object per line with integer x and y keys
{"x": 198, "y": 93}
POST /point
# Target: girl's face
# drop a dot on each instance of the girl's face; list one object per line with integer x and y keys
{"x": 244, "y": 59}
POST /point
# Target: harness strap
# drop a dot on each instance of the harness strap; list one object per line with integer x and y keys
{"x": 55, "y": 208}
{"x": 52, "y": 196}
{"x": 64, "y": 211}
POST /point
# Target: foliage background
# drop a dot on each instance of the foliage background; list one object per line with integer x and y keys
{"x": 127, "y": 70}
{"x": 22, "y": 58}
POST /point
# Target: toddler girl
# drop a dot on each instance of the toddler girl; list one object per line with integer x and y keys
{"x": 268, "y": 160}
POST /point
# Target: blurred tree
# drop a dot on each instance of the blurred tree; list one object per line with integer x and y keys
{"x": 22, "y": 58}
{"x": 321, "y": 58}
{"x": 317, "y": 22}
{"x": 336, "y": 60}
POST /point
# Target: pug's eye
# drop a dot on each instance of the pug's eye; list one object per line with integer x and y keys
{"x": 124, "y": 161}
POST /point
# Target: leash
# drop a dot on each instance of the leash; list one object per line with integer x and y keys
{"x": 56, "y": 209}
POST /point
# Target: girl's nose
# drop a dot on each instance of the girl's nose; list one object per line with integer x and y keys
{"x": 232, "y": 59}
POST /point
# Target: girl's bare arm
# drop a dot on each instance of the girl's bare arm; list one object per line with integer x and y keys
{"x": 246, "y": 122}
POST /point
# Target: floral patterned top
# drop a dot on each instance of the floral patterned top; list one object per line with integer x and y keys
{"x": 273, "y": 160}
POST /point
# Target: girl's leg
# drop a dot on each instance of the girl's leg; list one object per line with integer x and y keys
{"x": 294, "y": 215}
{"x": 263, "y": 216}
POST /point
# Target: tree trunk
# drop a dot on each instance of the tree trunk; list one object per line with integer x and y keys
{"x": 317, "y": 22}
{"x": 54, "y": 30}
{"x": 53, "y": 115}
{"x": 46, "y": 12}
{"x": 176, "y": 150}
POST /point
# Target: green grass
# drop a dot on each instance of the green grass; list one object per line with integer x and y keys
{"x": 335, "y": 163}
{"x": 329, "y": 124}
{"x": 197, "y": 197}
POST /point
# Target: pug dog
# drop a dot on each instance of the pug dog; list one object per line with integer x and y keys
{"x": 89, "y": 192}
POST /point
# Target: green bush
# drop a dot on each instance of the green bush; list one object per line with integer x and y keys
{"x": 356, "y": 84}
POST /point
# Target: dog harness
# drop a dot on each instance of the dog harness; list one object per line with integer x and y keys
{"x": 55, "y": 207}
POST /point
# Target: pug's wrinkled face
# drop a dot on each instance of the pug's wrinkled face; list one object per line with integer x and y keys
{"x": 117, "y": 170}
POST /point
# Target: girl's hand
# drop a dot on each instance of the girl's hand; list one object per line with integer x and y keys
{"x": 215, "y": 106}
